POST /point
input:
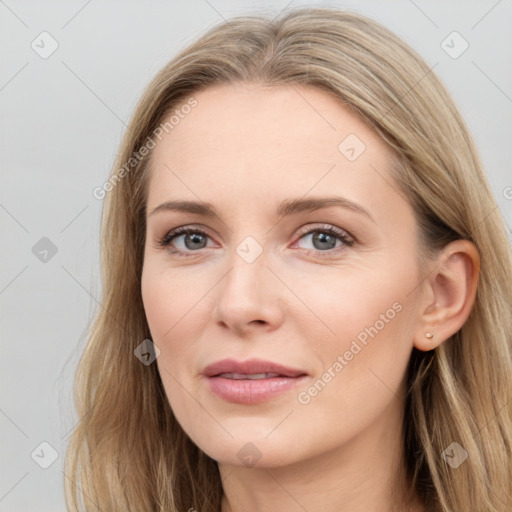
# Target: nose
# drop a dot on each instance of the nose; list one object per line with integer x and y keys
{"x": 247, "y": 298}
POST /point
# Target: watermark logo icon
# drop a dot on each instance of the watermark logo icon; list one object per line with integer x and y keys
{"x": 44, "y": 455}
{"x": 351, "y": 147}
{"x": 454, "y": 45}
{"x": 44, "y": 45}
{"x": 146, "y": 352}
{"x": 455, "y": 455}
{"x": 249, "y": 249}
{"x": 44, "y": 250}
{"x": 249, "y": 455}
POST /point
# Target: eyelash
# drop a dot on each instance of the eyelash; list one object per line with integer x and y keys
{"x": 347, "y": 240}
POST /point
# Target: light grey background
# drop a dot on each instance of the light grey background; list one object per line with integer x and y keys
{"x": 62, "y": 118}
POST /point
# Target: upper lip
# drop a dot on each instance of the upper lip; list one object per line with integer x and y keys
{"x": 249, "y": 367}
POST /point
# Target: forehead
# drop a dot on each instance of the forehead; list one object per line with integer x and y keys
{"x": 264, "y": 142}
{"x": 280, "y": 116}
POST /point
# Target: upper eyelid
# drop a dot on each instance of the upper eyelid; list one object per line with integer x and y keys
{"x": 301, "y": 229}
{"x": 304, "y": 230}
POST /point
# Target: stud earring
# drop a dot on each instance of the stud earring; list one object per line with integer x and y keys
{"x": 429, "y": 335}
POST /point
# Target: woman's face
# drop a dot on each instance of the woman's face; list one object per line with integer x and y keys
{"x": 324, "y": 294}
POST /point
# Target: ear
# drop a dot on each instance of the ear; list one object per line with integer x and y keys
{"x": 450, "y": 291}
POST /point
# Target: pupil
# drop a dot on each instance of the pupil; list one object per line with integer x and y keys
{"x": 196, "y": 238}
{"x": 325, "y": 240}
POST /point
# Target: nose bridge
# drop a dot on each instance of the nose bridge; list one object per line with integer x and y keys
{"x": 246, "y": 295}
{"x": 248, "y": 262}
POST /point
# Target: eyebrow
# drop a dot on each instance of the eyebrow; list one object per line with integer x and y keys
{"x": 285, "y": 208}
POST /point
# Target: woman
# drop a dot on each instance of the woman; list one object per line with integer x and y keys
{"x": 307, "y": 287}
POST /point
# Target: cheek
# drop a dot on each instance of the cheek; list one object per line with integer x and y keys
{"x": 364, "y": 362}
{"x": 176, "y": 305}
{"x": 366, "y": 315}
{"x": 170, "y": 298}
{"x": 358, "y": 304}
{"x": 169, "y": 306}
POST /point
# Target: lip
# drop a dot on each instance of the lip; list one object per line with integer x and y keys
{"x": 251, "y": 391}
{"x": 251, "y": 366}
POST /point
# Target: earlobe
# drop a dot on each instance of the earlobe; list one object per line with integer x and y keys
{"x": 428, "y": 342}
{"x": 453, "y": 284}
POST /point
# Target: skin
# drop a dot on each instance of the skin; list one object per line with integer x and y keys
{"x": 245, "y": 148}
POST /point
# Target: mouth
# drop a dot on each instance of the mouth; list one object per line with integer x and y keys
{"x": 251, "y": 382}
{"x": 250, "y": 376}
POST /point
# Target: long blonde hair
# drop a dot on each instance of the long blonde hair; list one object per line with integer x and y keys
{"x": 128, "y": 453}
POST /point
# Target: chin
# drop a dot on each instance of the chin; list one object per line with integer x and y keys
{"x": 259, "y": 453}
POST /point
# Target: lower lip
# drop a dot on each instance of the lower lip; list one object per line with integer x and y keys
{"x": 247, "y": 391}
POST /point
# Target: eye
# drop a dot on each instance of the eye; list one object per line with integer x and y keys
{"x": 193, "y": 239}
{"x": 184, "y": 241}
{"x": 325, "y": 238}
